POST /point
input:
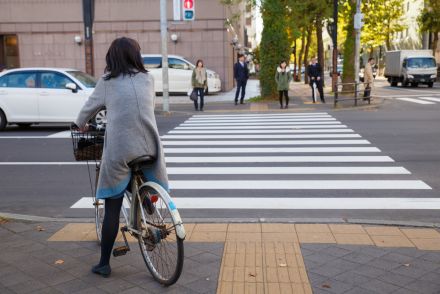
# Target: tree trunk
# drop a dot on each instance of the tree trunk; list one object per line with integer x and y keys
{"x": 320, "y": 45}
{"x": 301, "y": 52}
{"x": 295, "y": 68}
{"x": 349, "y": 52}
{"x": 435, "y": 43}
{"x": 306, "y": 53}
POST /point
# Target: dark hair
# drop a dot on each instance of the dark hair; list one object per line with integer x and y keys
{"x": 283, "y": 61}
{"x": 197, "y": 63}
{"x": 371, "y": 58}
{"x": 240, "y": 55}
{"x": 123, "y": 57}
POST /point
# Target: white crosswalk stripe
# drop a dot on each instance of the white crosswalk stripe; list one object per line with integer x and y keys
{"x": 416, "y": 100}
{"x": 215, "y": 161}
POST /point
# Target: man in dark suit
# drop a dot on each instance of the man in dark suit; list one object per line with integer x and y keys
{"x": 241, "y": 75}
{"x": 315, "y": 77}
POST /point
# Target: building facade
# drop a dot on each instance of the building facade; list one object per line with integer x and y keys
{"x": 50, "y": 33}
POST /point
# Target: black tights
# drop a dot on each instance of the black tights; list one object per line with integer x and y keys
{"x": 281, "y": 97}
{"x": 110, "y": 228}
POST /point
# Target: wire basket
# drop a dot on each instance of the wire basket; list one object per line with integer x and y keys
{"x": 87, "y": 145}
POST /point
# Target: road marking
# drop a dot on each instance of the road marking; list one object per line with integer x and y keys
{"x": 415, "y": 100}
{"x": 260, "y": 114}
{"x": 260, "y": 142}
{"x": 301, "y": 185}
{"x": 259, "y": 117}
{"x": 273, "y": 150}
{"x": 294, "y": 203}
{"x": 269, "y": 136}
{"x": 430, "y": 99}
{"x": 263, "y": 123}
{"x": 191, "y": 121}
{"x": 255, "y": 159}
{"x": 63, "y": 134}
{"x": 260, "y": 131}
{"x": 260, "y": 127}
{"x": 296, "y": 170}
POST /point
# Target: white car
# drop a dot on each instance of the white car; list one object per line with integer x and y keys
{"x": 180, "y": 72}
{"x": 35, "y": 95}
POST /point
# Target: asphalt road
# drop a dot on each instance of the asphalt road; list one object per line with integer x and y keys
{"x": 38, "y": 175}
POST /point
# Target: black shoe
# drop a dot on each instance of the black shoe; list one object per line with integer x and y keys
{"x": 241, "y": 102}
{"x": 287, "y": 106}
{"x": 236, "y": 103}
{"x": 197, "y": 109}
{"x": 281, "y": 106}
{"x": 322, "y": 101}
{"x": 201, "y": 109}
{"x": 104, "y": 270}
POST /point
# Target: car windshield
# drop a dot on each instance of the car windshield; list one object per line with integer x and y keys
{"x": 85, "y": 79}
{"x": 421, "y": 62}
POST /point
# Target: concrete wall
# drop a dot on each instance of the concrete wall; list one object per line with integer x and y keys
{"x": 47, "y": 28}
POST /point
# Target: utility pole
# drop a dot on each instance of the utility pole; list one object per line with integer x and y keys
{"x": 357, "y": 26}
{"x": 335, "y": 48}
{"x": 164, "y": 41}
{"x": 88, "y": 15}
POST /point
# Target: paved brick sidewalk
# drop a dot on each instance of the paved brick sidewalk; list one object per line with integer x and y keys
{"x": 229, "y": 258}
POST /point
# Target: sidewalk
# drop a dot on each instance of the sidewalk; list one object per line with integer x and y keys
{"x": 299, "y": 94}
{"x": 229, "y": 258}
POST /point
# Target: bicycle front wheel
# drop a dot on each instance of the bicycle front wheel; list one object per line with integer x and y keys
{"x": 160, "y": 244}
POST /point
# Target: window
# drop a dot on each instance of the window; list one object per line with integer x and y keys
{"x": 421, "y": 62}
{"x": 19, "y": 80}
{"x": 85, "y": 79}
{"x": 54, "y": 80}
{"x": 178, "y": 64}
{"x": 152, "y": 62}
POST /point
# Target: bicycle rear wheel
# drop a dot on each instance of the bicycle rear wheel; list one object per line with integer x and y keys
{"x": 160, "y": 244}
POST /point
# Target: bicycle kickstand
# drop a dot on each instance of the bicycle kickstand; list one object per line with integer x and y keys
{"x": 122, "y": 250}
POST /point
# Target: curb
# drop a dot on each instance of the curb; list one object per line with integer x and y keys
{"x": 32, "y": 218}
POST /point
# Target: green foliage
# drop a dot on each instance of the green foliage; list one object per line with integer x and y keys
{"x": 382, "y": 20}
{"x": 429, "y": 19}
{"x": 274, "y": 45}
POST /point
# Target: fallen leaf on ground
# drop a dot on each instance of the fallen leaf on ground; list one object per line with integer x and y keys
{"x": 40, "y": 229}
{"x": 59, "y": 261}
{"x": 283, "y": 265}
{"x": 326, "y": 286}
{"x": 406, "y": 264}
{"x": 252, "y": 275}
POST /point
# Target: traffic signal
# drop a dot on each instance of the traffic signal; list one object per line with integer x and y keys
{"x": 188, "y": 9}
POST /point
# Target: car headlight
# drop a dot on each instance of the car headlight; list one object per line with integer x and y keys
{"x": 433, "y": 76}
{"x": 410, "y": 77}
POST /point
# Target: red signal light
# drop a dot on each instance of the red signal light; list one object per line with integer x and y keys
{"x": 188, "y": 4}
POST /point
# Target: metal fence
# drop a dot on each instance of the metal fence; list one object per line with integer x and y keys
{"x": 352, "y": 92}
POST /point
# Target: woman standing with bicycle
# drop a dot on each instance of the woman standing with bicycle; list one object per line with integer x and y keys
{"x": 127, "y": 92}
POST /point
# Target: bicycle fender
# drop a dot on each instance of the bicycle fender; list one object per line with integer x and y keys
{"x": 180, "y": 230}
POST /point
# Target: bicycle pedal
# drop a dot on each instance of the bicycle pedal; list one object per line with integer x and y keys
{"x": 119, "y": 251}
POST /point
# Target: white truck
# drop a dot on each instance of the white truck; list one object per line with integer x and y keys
{"x": 410, "y": 67}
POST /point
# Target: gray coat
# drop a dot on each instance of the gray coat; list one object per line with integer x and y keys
{"x": 130, "y": 133}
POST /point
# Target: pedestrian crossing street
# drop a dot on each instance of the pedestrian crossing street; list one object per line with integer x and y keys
{"x": 291, "y": 160}
{"x": 420, "y": 100}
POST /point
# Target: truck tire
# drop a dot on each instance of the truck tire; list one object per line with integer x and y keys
{"x": 393, "y": 83}
{"x": 415, "y": 85}
{"x": 405, "y": 83}
{"x": 3, "y": 121}
{"x": 431, "y": 84}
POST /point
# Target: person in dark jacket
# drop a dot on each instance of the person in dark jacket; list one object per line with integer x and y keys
{"x": 241, "y": 75}
{"x": 315, "y": 77}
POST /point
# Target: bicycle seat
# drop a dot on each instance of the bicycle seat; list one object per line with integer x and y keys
{"x": 141, "y": 162}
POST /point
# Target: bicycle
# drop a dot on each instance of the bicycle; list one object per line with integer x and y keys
{"x": 148, "y": 210}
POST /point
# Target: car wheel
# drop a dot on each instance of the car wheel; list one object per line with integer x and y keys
{"x": 3, "y": 121}
{"x": 430, "y": 85}
{"x": 24, "y": 125}
{"x": 393, "y": 84}
{"x": 100, "y": 118}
